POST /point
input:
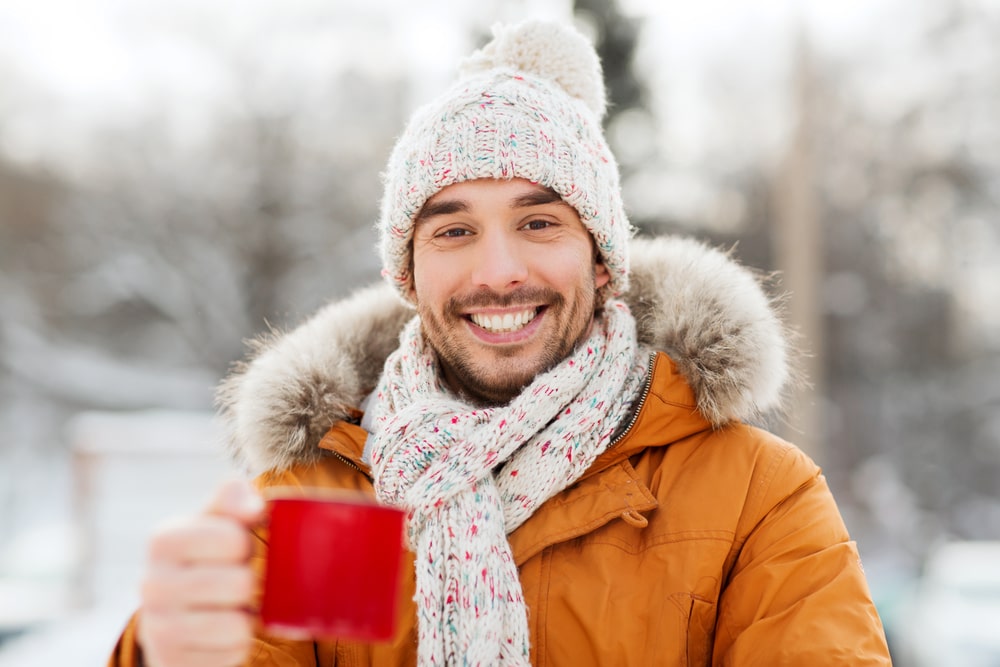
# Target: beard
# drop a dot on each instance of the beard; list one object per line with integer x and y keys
{"x": 495, "y": 375}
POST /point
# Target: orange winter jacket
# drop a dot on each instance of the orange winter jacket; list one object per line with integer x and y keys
{"x": 682, "y": 545}
{"x": 695, "y": 539}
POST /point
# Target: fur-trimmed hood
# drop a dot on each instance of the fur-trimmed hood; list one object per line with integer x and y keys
{"x": 709, "y": 314}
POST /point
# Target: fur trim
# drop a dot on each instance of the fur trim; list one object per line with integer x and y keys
{"x": 713, "y": 318}
{"x": 695, "y": 303}
{"x": 293, "y": 387}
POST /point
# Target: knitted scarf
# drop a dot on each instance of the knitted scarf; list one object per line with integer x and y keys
{"x": 469, "y": 476}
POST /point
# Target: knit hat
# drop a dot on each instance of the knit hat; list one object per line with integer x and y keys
{"x": 527, "y": 105}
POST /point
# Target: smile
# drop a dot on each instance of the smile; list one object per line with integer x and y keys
{"x": 505, "y": 323}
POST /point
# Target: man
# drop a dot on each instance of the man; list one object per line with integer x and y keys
{"x": 580, "y": 484}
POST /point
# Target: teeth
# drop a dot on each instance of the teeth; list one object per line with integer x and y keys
{"x": 505, "y": 323}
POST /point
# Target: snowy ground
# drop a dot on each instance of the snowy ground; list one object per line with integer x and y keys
{"x": 85, "y": 639}
{"x": 69, "y": 578}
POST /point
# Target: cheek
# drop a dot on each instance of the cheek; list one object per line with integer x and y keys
{"x": 429, "y": 282}
{"x": 418, "y": 289}
{"x": 572, "y": 264}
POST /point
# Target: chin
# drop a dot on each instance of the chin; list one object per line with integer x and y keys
{"x": 489, "y": 390}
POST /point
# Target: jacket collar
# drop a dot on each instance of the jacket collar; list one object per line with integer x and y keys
{"x": 609, "y": 491}
{"x": 667, "y": 410}
{"x": 710, "y": 316}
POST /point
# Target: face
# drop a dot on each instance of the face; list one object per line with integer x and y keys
{"x": 505, "y": 278}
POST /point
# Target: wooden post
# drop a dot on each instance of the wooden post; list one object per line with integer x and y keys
{"x": 796, "y": 239}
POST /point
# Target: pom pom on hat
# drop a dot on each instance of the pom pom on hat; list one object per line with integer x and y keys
{"x": 527, "y": 105}
{"x": 549, "y": 51}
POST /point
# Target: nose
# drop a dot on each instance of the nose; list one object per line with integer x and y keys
{"x": 499, "y": 263}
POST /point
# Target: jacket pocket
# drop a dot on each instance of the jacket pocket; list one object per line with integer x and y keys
{"x": 700, "y": 632}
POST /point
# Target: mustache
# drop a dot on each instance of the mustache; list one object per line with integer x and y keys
{"x": 489, "y": 298}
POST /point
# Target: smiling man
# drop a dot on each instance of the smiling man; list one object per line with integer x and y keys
{"x": 563, "y": 418}
{"x": 507, "y": 276}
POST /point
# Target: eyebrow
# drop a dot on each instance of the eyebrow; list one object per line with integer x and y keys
{"x": 536, "y": 198}
{"x": 442, "y": 207}
{"x": 449, "y": 206}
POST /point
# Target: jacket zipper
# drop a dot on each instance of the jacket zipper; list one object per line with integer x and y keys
{"x": 642, "y": 401}
{"x": 349, "y": 462}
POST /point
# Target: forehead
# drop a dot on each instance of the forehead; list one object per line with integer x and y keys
{"x": 513, "y": 193}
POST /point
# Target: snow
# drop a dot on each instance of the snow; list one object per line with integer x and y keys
{"x": 72, "y": 583}
{"x": 84, "y": 639}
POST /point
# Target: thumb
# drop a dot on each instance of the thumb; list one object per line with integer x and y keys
{"x": 237, "y": 499}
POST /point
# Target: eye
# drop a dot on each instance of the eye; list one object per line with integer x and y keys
{"x": 538, "y": 225}
{"x": 452, "y": 233}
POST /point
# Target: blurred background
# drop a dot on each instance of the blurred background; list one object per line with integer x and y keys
{"x": 178, "y": 177}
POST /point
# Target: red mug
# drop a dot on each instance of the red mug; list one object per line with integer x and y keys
{"x": 333, "y": 566}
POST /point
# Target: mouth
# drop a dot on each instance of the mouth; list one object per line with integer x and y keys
{"x": 504, "y": 322}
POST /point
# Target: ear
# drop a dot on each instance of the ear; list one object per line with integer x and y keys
{"x": 410, "y": 292}
{"x": 601, "y": 274}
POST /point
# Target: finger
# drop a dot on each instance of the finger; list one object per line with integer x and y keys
{"x": 233, "y": 657}
{"x": 210, "y": 587}
{"x": 203, "y": 539}
{"x": 238, "y": 499}
{"x": 198, "y": 630}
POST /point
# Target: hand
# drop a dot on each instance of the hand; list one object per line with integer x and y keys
{"x": 199, "y": 584}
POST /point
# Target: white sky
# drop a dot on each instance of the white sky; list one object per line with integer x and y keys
{"x": 105, "y": 61}
{"x": 91, "y": 46}
{"x": 69, "y": 66}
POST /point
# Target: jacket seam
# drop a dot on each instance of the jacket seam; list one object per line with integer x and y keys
{"x": 652, "y": 544}
{"x": 753, "y": 502}
{"x": 761, "y": 487}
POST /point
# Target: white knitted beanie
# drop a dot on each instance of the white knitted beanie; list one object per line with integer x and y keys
{"x": 527, "y": 105}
